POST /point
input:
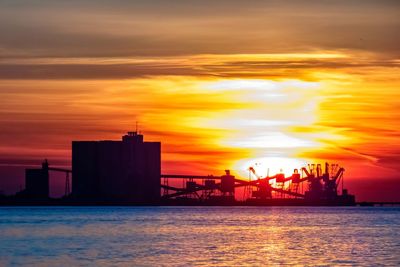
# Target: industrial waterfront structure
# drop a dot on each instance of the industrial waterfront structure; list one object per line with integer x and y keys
{"x": 37, "y": 182}
{"x": 310, "y": 187}
{"x": 128, "y": 171}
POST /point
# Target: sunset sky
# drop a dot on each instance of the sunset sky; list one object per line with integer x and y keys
{"x": 222, "y": 84}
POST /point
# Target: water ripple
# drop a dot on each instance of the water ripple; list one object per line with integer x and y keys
{"x": 199, "y": 236}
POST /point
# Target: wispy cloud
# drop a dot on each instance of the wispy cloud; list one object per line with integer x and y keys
{"x": 221, "y": 83}
{"x": 109, "y": 29}
{"x": 234, "y": 66}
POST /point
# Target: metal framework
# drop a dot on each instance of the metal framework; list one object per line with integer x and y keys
{"x": 320, "y": 185}
{"x": 67, "y": 172}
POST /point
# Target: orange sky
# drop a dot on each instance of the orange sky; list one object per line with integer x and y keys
{"x": 266, "y": 84}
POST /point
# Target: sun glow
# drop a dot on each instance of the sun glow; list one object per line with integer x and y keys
{"x": 221, "y": 112}
{"x": 268, "y": 166}
{"x": 266, "y": 130}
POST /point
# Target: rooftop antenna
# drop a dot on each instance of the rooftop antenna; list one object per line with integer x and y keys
{"x": 137, "y": 128}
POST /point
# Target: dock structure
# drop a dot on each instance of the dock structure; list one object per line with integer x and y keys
{"x": 128, "y": 171}
{"x": 310, "y": 187}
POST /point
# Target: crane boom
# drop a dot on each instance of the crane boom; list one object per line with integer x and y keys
{"x": 304, "y": 169}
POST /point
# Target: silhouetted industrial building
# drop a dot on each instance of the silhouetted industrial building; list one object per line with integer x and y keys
{"x": 127, "y": 170}
{"x": 37, "y": 182}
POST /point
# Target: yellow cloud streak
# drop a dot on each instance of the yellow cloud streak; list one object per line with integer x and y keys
{"x": 315, "y": 112}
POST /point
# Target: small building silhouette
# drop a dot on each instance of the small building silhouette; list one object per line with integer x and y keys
{"x": 127, "y": 170}
{"x": 37, "y": 182}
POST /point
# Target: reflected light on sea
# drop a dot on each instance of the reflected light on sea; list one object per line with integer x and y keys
{"x": 195, "y": 236}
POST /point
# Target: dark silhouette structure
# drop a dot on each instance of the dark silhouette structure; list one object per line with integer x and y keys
{"x": 321, "y": 188}
{"x": 37, "y": 182}
{"x": 126, "y": 171}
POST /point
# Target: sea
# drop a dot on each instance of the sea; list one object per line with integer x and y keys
{"x": 199, "y": 236}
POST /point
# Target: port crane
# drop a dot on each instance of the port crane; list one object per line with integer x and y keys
{"x": 322, "y": 186}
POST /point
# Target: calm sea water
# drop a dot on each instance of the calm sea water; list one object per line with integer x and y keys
{"x": 187, "y": 236}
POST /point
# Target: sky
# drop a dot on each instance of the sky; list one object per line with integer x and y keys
{"x": 222, "y": 84}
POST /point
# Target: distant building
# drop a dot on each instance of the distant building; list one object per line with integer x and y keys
{"x": 37, "y": 182}
{"x": 127, "y": 170}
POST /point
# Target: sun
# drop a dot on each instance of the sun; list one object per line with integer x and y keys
{"x": 268, "y": 166}
{"x": 266, "y": 127}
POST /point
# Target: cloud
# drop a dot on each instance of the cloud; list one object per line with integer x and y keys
{"x": 126, "y": 29}
{"x": 83, "y": 70}
{"x": 86, "y": 71}
{"x": 250, "y": 65}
